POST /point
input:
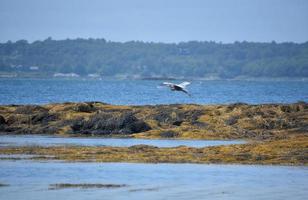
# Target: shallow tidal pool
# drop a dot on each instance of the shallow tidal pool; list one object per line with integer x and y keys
{"x": 43, "y": 140}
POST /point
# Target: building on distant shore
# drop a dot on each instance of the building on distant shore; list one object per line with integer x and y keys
{"x": 71, "y": 75}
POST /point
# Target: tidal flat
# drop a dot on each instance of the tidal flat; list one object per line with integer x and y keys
{"x": 291, "y": 151}
{"x": 274, "y": 133}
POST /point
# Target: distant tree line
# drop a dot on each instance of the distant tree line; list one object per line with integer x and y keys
{"x": 148, "y": 59}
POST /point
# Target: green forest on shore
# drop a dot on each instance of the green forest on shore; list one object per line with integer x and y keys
{"x": 137, "y": 59}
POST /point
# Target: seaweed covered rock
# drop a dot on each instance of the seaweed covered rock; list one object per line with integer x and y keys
{"x": 235, "y": 121}
{"x": 231, "y": 120}
{"x": 30, "y": 109}
{"x": 43, "y": 118}
{"x": 176, "y": 116}
{"x": 2, "y": 123}
{"x": 142, "y": 147}
{"x": 106, "y": 123}
{"x": 17, "y": 120}
{"x": 84, "y": 107}
{"x": 2, "y": 120}
{"x": 293, "y": 107}
{"x": 169, "y": 134}
{"x": 233, "y": 106}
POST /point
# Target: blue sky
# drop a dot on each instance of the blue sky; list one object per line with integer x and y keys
{"x": 156, "y": 20}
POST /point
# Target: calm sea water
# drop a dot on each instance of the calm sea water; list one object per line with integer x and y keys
{"x": 141, "y": 92}
{"x": 30, "y": 180}
{"x": 40, "y": 140}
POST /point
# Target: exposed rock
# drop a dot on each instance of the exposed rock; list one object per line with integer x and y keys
{"x": 44, "y": 130}
{"x": 276, "y": 123}
{"x": 200, "y": 124}
{"x": 83, "y": 185}
{"x": 169, "y": 134}
{"x": 10, "y": 129}
{"x": 30, "y": 109}
{"x": 43, "y": 117}
{"x": 176, "y": 116}
{"x": 235, "y": 121}
{"x": 2, "y": 123}
{"x": 84, "y": 107}
{"x": 231, "y": 107}
{"x": 177, "y": 123}
{"x": 18, "y": 119}
{"x": 231, "y": 120}
{"x": 2, "y": 120}
{"x": 106, "y": 123}
{"x": 142, "y": 147}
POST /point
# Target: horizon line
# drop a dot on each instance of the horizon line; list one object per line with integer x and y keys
{"x": 157, "y": 42}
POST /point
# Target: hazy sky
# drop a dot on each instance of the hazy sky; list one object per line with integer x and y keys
{"x": 155, "y": 20}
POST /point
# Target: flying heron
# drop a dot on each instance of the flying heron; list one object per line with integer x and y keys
{"x": 177, "y": 87}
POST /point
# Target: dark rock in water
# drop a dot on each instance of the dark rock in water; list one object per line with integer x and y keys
{"x": 143, "y": 189}
{"x": 84, "y": 107}
{"x": 84, "y": 185}
{"x": 169, "y": 134}
{"x": 106, "y": 123}
{"x": 4, "y": 185}
{"x": 2, "y": 120}
{"x": 30, "y": 109}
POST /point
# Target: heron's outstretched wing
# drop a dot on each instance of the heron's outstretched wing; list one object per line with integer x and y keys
{"x": 168, "y": 84}
{"x": 185, "y": 91}
{"x": 184, "y": 84}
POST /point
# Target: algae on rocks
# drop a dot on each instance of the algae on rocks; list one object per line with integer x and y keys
{"x": 185, "y": 121}
{"x": 107, "y": 124}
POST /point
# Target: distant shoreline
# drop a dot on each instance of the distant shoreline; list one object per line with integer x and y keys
{"x": 17, "y": 77}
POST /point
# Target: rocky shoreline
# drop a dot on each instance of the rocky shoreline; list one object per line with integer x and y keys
{"x": 234, "y": 121}
{"x": 278, "y": 133}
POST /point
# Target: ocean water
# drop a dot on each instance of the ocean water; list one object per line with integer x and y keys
{"x": 30, "y": 180}
{"x": 142, "y": 92}
{"x": 44, "y": 140}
